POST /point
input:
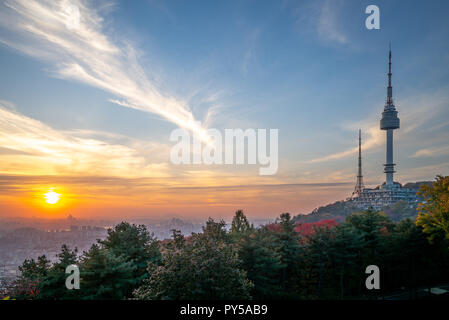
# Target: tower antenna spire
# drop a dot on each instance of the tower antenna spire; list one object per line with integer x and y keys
{"x": 390, "y": 88}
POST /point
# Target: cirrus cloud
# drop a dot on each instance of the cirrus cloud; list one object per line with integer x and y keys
{"x": 81, "y": 50}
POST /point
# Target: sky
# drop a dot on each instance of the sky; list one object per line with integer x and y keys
{"x": 87, "y": 105}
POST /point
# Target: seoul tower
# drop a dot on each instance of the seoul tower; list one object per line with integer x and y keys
{"x": 389, "y": 122}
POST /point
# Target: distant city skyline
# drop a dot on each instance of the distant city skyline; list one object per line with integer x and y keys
{"x": 87, "y": 107}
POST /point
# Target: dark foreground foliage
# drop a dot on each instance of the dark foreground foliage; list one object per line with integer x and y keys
{"x": 285, "y": 260}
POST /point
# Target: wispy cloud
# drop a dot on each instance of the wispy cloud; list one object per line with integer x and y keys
{"x": 31, "y": 147}
{"x": 321, "y": 17}
{"x": 81, "y": 50}
{"x": 373, "y": 137}
{"x": 414, "y": 114}
{"x": 8, "y": 104}
{"x": 425, "y": 173}
{"x": 327, "y": 25}
{"x": 431, "y": 152}
{"x": 424, "y": 109}
{"x": 250, "y": 50}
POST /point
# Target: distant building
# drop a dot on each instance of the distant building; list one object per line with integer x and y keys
{"x": 383, "y": 196}
{"x": 390, "y": 191}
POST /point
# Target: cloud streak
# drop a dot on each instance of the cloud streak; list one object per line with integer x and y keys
{"x": 31, "y": 147}
{"x": 327, "y": 24}
{"x": 414, "y": 114}
{"x": 431, "y": 152}
{"x": 375, "y": 138}
{"x": 82, "y": 51}
{"x": 321, "y": 17}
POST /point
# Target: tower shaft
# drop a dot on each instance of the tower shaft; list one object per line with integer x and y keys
{"x": 389, "y": 165}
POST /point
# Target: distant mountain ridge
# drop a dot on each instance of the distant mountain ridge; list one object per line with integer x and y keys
{"x": 341, "y": 209}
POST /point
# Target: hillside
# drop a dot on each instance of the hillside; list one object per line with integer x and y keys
{"x": 341, "y": 209}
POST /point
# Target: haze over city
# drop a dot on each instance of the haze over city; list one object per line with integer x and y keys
{"x": 87, "y": 106}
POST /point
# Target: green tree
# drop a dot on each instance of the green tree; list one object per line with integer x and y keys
{"x": 106, "y": 275}
{"x": 112, "y": 269}
{"x": 26, "y": 286}
{"x": 433, "y": 211}
{"x": 289, "y": 249}
{"x": 259, "y": 256}
{"x": 261, "y": 259}
{"x": 205, "y": 266}
{"x": 53, "y": 285}
{"x": 344, "y": 249}
{"x": 33, "y": 270}
{"x": 372, "y": 226}
{"x": 216, "y": 231}
{"x": 317, "y": 259}
{"x": 240, "y": 226}
{"x": 134, "y": 243}
{"x": 117, "y": 265}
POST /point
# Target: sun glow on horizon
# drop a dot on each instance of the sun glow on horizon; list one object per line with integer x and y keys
{"x": 52, "y": 197}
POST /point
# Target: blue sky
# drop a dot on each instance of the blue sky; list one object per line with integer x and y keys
{"x": 309, "y": 68}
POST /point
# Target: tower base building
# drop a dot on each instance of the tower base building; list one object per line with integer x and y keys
{"x": 384, "y": 196}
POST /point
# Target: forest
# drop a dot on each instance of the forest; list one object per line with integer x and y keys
{"x": 282, "y": 260}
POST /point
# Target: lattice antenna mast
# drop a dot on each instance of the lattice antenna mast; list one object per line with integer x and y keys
{"x": 359, "y": 185}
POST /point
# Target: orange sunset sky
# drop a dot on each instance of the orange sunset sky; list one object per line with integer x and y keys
{"x": 90, "y": 92}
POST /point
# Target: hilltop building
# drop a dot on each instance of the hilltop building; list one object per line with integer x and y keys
{"x": 390, "y": 191}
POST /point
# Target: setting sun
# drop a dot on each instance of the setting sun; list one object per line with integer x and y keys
{"x": 51, "y": 197}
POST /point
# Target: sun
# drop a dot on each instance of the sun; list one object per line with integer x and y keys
{"x": 51, "y": 197}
